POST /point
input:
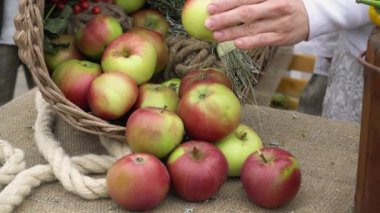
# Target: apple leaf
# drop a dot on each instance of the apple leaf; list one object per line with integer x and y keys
{"x": 57, "y": 25}
{"x": 51, "y": 48}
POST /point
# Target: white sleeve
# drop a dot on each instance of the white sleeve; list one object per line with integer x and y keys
{"x": 327, "y": 16}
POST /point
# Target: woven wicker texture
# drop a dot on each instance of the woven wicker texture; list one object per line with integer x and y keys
{"x": 326, "y": 149}
{"x": 29, "y": 39}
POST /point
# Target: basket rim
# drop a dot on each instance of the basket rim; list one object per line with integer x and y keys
{"x": 29, "y": 39}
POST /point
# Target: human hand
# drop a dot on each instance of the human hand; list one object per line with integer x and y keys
{"x": 258, "y": 23}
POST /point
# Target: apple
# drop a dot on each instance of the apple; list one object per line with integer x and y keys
{"x": 153, "y": 130}
{"x": 130, "y": 6}
{"x": 157, "y": 95}
{"x": 194, "y": 15}
{"x": 237, "y": 146}
{"x": 173, "y": 83}
{"x": 271, "y": 177}
{"x": 74, "y": 77}
{"x": 132, "y": 54}
{"x": 138, "y": 182}
{"x": 112, "y": 95}
{"x": 63, "y": 53}
{"x": 210, "y": 111}
{"x": 197, "y": 169}
{"x": 151, "y": 19}
{"x": 208, "y": 75}
{"x": 159, "y": 44}
{"x": 96, "y": 34}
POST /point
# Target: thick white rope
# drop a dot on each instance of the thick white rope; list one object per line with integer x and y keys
{"x": 70, "y": 171}
{"x": 12, "y": 161}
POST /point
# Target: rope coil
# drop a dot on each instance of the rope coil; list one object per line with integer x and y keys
{"x": 72, "y": 172}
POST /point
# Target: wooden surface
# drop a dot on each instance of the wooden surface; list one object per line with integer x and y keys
{"x": 272, "y": 75}
{"x": 302, "y": 62}
{"x": 368, "y": 174}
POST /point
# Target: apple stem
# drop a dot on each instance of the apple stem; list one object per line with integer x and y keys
{"x": 244, "y": 135}
{"x": 203, "y": 75}
{"x": 196, "y": 154}
{"x": 139, "y": 160}
{"x": 263, "y": 157}
{"x": 164, "y": 108}
{"x": 202, "y": 96}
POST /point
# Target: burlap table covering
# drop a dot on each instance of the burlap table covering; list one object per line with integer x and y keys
{"x": 327, "y": 151}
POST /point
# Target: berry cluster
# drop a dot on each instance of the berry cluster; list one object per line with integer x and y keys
{"x": 60, "y": 4}
{"x": 80, "y": 6}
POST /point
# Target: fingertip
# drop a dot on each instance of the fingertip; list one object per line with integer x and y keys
{"x": 212, "y": 9}
{"x": 218, "y": 35}
{"x": 244, "y": 44}
{"x": 209, "y": 23}
{"x": 239, "y": 43}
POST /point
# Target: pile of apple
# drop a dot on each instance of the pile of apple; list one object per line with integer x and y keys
{"x": 185, "y": 134}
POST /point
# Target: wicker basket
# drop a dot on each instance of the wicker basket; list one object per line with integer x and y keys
{"x": 29, "y": 39}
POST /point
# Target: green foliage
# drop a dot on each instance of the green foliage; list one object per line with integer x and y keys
{"x": 55, "y": 25}
{"x": 172, "y": 10}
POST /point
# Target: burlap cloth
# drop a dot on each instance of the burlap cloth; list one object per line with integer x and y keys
{"x": 327, "y": 151}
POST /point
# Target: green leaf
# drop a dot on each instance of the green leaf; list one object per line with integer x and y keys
{"x": 58, "y": 24}
{"x": 51, "y": 48}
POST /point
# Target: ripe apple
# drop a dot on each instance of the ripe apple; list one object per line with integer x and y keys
{"x": 93, "y": 38}
{"x": 132, "y": 54}
{"x": 209, "y": 75}
{"x": 74, "y": 77}
{"x": 197, "y": 169}
{"x": 130, "y": 6}
{"x": 151, "y": 19}
{"x": 157, "y": 95}
{"x": 159, "y": 44}
{"x": 173, "y": 84}
{"x": 138, "y": 182}
{"x": 210, "y": 111}
{"x": 271, "y": 177}
{"x": 112, "y": 95}
{"x": 194, "y": 15}
{"x": 67, "y": 52}
{"x": 153, "y": 130}
{"x": 237, "y": 146}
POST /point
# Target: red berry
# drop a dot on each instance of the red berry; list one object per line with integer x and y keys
{"x": 60, "y": 6}
{"x": 96, "y": 1}
{"x": 64, "y": 1}
{"x": 109, "y": 1}
{"x": 84, "y": 5}
{"x": 83, "y": 0}
{"x": 95, "y": 10}
{"x": 77, "y": 9}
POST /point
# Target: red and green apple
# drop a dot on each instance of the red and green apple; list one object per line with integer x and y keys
{"x": 210, "y": 111}
{"x": 207, "y": 75}
{"x": 159, "y": 44}
{"x": 153, "y": 130}
{"x": 63, "y": 53}
{"x": 157, "y": 95}
{"x": 112, "y": 95}
{"x": 197, "y": 169}
{"x": 194, "y": 15}
{"x": 132, "y": 54}
{"x": 138, "y": 182}
{"x": 74, "y": 77}
{"x": 151, "y": 19}
{"x": 271, "y": 177}
{"x": 95, "y": 35}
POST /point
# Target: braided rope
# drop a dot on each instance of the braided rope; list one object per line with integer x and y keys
{"x": 12, "y": 161}
{"x": 70, "y": 171}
